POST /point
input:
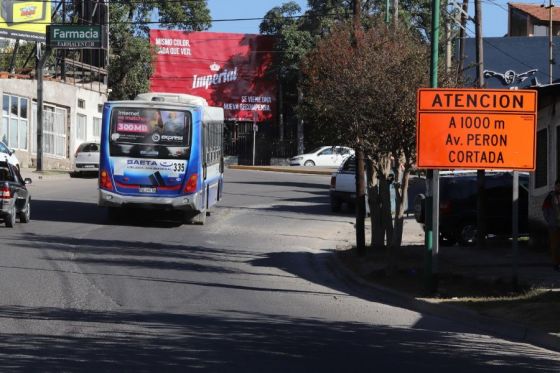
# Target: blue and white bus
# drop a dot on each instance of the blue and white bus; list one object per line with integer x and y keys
{"x": 161, "y": 150}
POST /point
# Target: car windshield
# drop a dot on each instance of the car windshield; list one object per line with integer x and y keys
{"x": 4, "y": 148}
{"x": 88, "y": 148}
{"x": 150, "y": 133}
{"x": 5, "y": 174}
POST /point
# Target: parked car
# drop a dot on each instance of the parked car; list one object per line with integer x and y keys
{"x": 458, "y": 205}
{"x": 343, "y": 185}
{"x": 15, "y": 198}
{"x": 87, "y": 158}
{"x": 11, "y": 154}
{"x": 332, "y": 156}
{"x": 343, "y": 188}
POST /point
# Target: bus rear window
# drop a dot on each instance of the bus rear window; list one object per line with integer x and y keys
{"x": 150, "y": 133}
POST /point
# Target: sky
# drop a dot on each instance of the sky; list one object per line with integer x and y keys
{"x": 494, "y": 14}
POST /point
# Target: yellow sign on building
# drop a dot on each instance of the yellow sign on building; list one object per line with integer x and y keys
{"x": 25, "y": 20}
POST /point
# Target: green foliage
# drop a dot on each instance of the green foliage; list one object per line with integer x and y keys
{"x": 25, "y": 49}
{"x": 293, "y": 41}
{"x": 368, "y": 91}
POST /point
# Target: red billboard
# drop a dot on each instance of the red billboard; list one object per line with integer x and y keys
{"x": 229, "y": 70}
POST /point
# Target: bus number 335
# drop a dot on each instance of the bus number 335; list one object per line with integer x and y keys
{"x": 178, "y": 167}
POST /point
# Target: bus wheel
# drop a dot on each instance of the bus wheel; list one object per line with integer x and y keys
{"x": 114, "y": 214}
{"x": 196, "y": 218}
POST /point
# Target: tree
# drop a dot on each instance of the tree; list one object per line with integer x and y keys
{"x": 370, "y": 92}
{"x": 130, "y": 61}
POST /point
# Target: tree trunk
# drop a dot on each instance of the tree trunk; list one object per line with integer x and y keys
{"x": 374, "y": 201}
{"x": 360, "y": 202}
{"x": 386, "y": 216}
{"x": 401, "y": 194}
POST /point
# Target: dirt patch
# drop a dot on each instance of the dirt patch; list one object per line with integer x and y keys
{"x": 491, "y": 295}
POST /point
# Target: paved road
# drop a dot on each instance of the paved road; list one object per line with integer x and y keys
{"x": 250, "y": 291}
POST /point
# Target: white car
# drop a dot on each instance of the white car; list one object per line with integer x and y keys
{"x": 87, "y": 158}
{"x": 331, "y": 156}
{"x": 10, "y": 154}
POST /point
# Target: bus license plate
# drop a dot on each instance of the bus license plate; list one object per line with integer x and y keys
{"x": 147, "y": 190}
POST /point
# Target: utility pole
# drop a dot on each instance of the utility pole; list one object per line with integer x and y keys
{"x": 431, "y": 235}
{"x": 39, "y": 75}
{"x": 387, "y": 13}
{"x": 448, "y": 43}
{"x": 480, "y": 174}
{"x": 396, "y": 13}
{"x": 360, "y": 169}
{"x": 300, "y": 123}
{"x": 464, "y": 14}
{"x": 550, "y": 44}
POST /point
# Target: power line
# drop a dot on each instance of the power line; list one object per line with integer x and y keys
{"x": 486, "y": 41}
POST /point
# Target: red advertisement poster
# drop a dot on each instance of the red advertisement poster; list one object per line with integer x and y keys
{"x": 229, "y": 70}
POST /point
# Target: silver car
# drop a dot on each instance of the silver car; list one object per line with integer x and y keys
{"x": 86, "y": 158}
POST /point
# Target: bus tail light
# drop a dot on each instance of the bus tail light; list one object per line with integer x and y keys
{"x": 105, "y": 180}
{"x": 191, "y": 184}
{"x": 6, "y": 194}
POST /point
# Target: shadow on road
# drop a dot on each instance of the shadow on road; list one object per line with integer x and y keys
{"x": 236, "y": 341}
{"x": 90, "y": 213}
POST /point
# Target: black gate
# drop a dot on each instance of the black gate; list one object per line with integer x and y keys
{"x": 238, "y": 139}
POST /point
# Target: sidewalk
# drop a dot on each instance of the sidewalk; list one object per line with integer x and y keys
{"x": 317, "y": 170}
{"x": 475, "y": 285}
{"x": 34, "y": 175}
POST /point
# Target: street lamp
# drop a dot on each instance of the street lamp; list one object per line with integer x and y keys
{"x": 550, "y": 59}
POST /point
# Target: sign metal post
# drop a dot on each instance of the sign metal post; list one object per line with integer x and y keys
{"x": 255, "y": 129}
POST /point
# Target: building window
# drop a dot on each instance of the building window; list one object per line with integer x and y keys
{"x": 100, "y": 108}
{"x": 541, "y": 172}
{"x": 15, "y": 121}
{"x": 539, "y": 30}
{"x": 81, "y": 128}
{"x": 81, "y": 103}
{"x": 212, "y": 142}
{"x": 54, "y": 130}
{"x": 97, "y": 127}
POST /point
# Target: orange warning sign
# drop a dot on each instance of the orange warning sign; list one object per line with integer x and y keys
{"x": 476, "y": 129}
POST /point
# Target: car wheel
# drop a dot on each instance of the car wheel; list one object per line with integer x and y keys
{"x": 467, "y": 234}
{"x": 25, "y": 215}
{"x": 309, "y": 163}
{"x": 335, "y": 205}
{"x": 10, "y": 218}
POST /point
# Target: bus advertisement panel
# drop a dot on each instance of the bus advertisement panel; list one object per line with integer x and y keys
{"x": 231, "y": 71}
{"x": 150, "y": 147}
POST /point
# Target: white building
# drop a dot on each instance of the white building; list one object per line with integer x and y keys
{"x": 72, "y": 115}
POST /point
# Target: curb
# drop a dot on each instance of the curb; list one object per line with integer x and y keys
{"x": 292, "y": 170}
{"x": 497, "y": 327}
{"x": 45, "y": 175}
